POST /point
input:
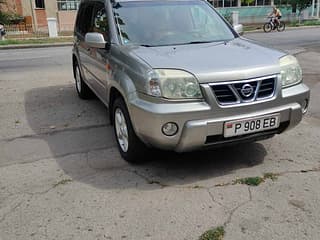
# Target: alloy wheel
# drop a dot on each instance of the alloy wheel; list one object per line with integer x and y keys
{"x": 78, "y": 79}
{"x": 121, "y": 130}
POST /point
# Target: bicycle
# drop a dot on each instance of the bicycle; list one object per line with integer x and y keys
{"x": 271, "y": 25}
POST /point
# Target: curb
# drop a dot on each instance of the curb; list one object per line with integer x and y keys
{"x": 287, "y": 29}
{"x": 40, "y": 45}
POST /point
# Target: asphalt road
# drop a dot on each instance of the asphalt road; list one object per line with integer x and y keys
{"x": 290, "y": 39}
{"x": 61, "y": 176}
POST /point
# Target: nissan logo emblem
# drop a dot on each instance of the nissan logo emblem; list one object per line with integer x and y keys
{"x": 247, "y": 90}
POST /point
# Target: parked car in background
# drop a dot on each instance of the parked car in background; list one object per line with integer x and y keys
{"x": 176, "y": 76}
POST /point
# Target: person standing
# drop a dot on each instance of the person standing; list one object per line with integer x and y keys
{"x": 2, "y": 31}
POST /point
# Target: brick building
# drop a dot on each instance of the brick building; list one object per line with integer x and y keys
{"x": 37, "y": 11}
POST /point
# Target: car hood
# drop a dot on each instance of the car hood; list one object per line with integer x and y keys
{"x": 217, "y": 61}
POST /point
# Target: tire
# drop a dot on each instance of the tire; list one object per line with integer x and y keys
{"x": 131, "y": 148}
{"x": 84, "y": 92}
{"x": 281, "y": 27}
{"x": 267, "y": 27}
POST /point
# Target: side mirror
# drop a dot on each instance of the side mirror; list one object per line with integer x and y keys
{"x": 95, "y": 40}
{"x": 238, "y": 28}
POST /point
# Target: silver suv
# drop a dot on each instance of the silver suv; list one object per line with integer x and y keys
{"x": 176, "y": 76}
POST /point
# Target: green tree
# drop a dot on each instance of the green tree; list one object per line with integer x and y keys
{"x": 299, "y": 5}
{"x": 3, "y": 16}
{"x": 2, "y": 2}
{"x": 9, "y": 17}
{"x": 247, "y": 2}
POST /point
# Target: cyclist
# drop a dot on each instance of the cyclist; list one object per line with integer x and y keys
{"x": 276, "y": 13}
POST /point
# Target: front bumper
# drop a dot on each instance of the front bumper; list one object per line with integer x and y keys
{"x": 201, "y": 124}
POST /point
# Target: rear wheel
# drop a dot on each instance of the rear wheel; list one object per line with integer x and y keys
{"x": 281, "y": 27}
{"x": 83, "y": 90}
{"x": 130, "y": 146}
{"x": 267, "y": 27}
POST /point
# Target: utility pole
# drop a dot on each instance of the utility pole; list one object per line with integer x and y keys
{"x": 33, "y": 16}
{"x": 312, "y": 10}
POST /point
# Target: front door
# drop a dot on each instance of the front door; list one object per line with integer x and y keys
{"x": 98, "y": 57}
{"x": 84, "y": 22}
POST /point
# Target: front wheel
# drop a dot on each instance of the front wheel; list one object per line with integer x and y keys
{"x": 267, "y": 27}
{"x": 281, "y": 27}
{"x": 130, "y": 146}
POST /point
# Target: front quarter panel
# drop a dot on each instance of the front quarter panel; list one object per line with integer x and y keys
{"x": 128, "y": 73}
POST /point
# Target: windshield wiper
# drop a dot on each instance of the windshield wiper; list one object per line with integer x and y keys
{"x": 186, "y": 43}
{"x": 146, "y": 45}
{"x": 199, "y": 42}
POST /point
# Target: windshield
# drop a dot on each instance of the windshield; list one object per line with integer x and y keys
{"x": 159, "y": 23}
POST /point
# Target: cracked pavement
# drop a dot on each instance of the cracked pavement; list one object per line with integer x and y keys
{"x": 61, "y": 176}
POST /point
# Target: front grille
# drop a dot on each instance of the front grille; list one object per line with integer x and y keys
{"x": 224, "y": 93}
{"x": 244, "y": 91}
{"x": 239, "y": 86}
{"x": 266, "y": 88}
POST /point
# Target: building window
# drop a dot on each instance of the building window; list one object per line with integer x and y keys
{"x": 225, "y": 3}
{"x": 68, "y": 5}
{"x": 39, "y": 4}
{"x": 230, "y": 3}
{"x": 263, "y": 2}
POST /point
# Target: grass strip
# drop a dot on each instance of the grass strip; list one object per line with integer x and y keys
{"x": 35, "y": 41}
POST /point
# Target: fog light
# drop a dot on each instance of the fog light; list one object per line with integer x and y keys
{"x": 305, "y": 106}
{"x": 170, "y": 129}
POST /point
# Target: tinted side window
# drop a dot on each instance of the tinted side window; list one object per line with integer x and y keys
{"x": 100, "y": 21}
{"x": 80, "y": 12}
{"x": 84, "y": 19}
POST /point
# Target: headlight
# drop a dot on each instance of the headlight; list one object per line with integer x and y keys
{"x": 290, "y": 71}
{"x": 173, "y": 84}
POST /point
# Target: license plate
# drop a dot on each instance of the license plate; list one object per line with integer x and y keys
{"x": 251, "y": 125}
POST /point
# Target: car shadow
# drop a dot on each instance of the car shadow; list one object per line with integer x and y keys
{"x": 81, "y": 140}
